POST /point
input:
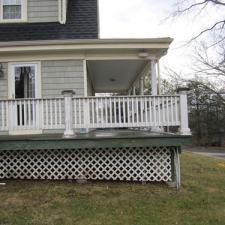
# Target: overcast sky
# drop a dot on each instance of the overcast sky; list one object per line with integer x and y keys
{"x": 146, "y": 19}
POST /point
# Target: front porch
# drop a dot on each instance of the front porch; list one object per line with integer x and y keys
{"x": 62, "y": 100}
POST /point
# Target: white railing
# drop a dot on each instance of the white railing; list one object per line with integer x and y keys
{"x": 125, "y": 111}
{"x": 4, "y": 123}
{"x": 71, "y": 113}
{"x": 32, "y": 114}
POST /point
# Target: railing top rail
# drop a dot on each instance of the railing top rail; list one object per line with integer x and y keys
{"x": 91, "y": 97}
{"x": 26, "y": 99}
{"x": 126, "y": 96}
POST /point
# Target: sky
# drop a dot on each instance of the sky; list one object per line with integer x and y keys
{"x": 147, "y": 19}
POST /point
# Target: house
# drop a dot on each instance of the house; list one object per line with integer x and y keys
{"x": 53, "y": 125}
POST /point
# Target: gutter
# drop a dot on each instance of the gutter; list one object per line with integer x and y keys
{"x": 134, "y": 41}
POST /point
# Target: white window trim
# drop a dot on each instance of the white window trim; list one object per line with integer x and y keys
{"x": 23, "y": 13}
{"x": 62, "y": 11}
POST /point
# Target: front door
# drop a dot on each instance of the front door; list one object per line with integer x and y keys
{"x": 24, "y": 89}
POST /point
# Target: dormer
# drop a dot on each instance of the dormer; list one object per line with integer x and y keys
{"x": 33, "y": 11}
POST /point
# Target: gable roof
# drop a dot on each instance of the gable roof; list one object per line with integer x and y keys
{"x": 82, "y": 23}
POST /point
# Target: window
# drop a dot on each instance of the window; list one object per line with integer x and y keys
{"x": 12, "y": 10}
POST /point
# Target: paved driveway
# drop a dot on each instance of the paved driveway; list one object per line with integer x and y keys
{"x": 210, "y": 151}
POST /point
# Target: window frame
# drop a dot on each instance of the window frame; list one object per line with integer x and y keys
{"x": 23, "y": 13}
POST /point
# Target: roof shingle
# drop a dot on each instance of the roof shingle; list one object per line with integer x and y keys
{"x": 82, "y": 23}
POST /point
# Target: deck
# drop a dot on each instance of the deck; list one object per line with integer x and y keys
{"x": 96, "y": 139}
{"x": 104, "y": 154}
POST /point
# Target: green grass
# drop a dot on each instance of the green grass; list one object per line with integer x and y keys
{"x": 200, "y": 201}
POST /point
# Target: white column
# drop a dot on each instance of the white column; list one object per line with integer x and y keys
{"x": 134, "y": 90}
{"x": 129, "y": 92}
{"x": 85, "y": 78}
{"x": 68, "y": 132}
{"x": 184, "y": 128}
{"x": 153, "y": 77}
{"x": 142, "y": 85}
{"x": 159, "y": 78}
{"x": 86, "y": 103}
{"x": 154, "y": 90}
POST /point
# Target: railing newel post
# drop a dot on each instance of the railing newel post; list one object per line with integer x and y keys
{"x": 184, "y": 127}
{"x": 68, "y": 109}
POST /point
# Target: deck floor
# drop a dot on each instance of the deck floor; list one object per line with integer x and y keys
{"x": 101, "y": 137}
{"x": 95, "y": 134}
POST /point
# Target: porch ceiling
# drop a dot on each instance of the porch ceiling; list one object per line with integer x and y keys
{"x": 113, "y": 75}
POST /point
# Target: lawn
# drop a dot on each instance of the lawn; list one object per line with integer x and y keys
{"x": 200, "y": 201}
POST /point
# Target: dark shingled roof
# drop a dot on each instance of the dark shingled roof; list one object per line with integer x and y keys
{"x": 82, "y": 23}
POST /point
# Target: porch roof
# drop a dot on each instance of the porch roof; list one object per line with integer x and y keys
{"x": 87, "y": 48}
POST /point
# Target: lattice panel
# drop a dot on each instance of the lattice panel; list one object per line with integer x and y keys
{"x": 137, "y": 164}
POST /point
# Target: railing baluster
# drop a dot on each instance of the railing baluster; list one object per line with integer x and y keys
{"x": 55, "y": 113}
{"x": 167, "y": 113}
{"x": 60, "y": 112}
{"x": 154, "y": 111}
{"x": 128, "y": 112}
{"x": 159, "y": 111}
{"x": 51, "y": 116}
{"x": 137, "y": 110}
{"x": 142, "y": 111}
{"x": 146, "y": 111}
{"x": 110, "y": 111}
{"x": 79, "y": 108}
{"x": 132, "y": 111}
{"x": 2, "y": 122}
{"x": 106, "y": 113}
{"x": 119, "y": 105}
{"x": 115, "y": 116}
{"x": 171, "y": 109}
{"x": 124, "y": 112}
{"x": 24, "y": 105}
{"x": 75, "y": 112}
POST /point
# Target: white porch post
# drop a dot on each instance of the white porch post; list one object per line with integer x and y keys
{"x": 134, "y": 90}
{"x": 142, "y": 85}
{"x": 153, "y": 77}
{"x": 86, "y": 103}
{"x": 68, "y": 132}
{"x": 184, "y": 128}
{"x": 154, "y": 90}
{"x": 159, "y": 78}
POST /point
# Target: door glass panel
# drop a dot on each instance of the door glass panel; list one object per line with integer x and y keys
{"x": 24, "y": 78}
{"x": 25, "y": 82}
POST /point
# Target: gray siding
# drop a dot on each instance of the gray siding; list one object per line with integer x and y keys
{"x": 62, "y": 75}
{"x": 42, "y": 11}
{"x": 4, "y": 82}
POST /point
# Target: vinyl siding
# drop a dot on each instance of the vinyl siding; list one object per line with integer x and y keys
{"x": 4, "y": 82}
{"x": 42, "y": 11}
{"x": 62, "y": 75}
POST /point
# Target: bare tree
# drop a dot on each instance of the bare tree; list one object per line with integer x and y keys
{"x": 209, "y": 60}
{"x": 217, "y": 28}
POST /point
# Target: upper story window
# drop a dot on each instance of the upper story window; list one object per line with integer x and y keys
{"x": 13, "y": 10}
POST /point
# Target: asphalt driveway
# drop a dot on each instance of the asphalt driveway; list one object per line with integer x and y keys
{"x": 215, "y": 152}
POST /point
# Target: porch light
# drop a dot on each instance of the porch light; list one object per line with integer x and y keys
{"x": 1, "y": 71}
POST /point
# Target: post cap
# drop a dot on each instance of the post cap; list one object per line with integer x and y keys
{"x": 183, "y": 89}
{"x": 68, "y": 92}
